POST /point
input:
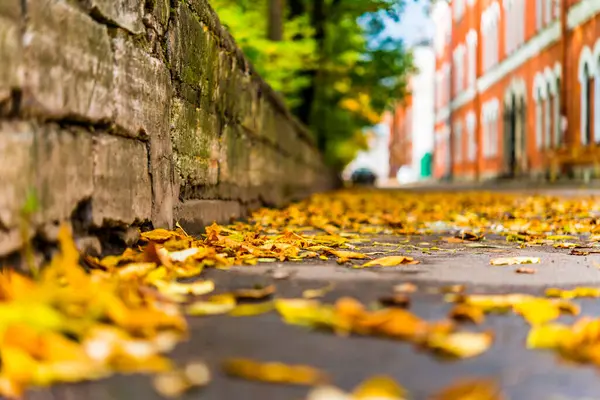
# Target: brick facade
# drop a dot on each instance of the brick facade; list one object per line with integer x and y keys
{"x": 517, "y": 88}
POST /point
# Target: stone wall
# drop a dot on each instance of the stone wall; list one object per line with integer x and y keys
{"x": 127, "y": 112}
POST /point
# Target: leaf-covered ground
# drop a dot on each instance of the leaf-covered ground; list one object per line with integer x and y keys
{"x": 386, "y": 288}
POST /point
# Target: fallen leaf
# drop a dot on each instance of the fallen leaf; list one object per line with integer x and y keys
{"x": 158, "y": 235}
{"x": 390, "y": 261}
{"x": 515, "y": 260}
{"x": 453, "y": 240}
{"x": 252, "y": 309}
{"x": 592, "y": 292}
{"x": 344, "y": 255}
{"x": 547, "y": 336}
{"x": 524, "y": 270}
{"x": 217, "y": 304}
{"x": 406, "y": 287}
{"x": 397, "y": 300}
{"x": 173, "y": 384}
{"x": 316, "y": 293}
{"x": 274, "y": 372}
{"x": 565, "y": 245}
{"x": 256, "y": 293}
{"x": 379, "y": 387}
{"x": 471, "y": 389}
{"x": 467, "y": 312}
{"x": 460, "y": 344}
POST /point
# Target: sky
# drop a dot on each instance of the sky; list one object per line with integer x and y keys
{"x": 414, "y": 25}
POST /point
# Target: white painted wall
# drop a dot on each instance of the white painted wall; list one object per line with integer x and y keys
{"x": 423, "y": 86}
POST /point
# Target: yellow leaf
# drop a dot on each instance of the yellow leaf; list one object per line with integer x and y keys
{"x": 158, "y": 235}
{"x": 345, "y": 255}
{"x": 196, "y": 288}
{"x": 548, "y": 336}
{"x": 173, "y": 384}
{"x": 252, "y": 309}
{"x": 515, "y": 260}
{"x": 390, "y": 261}
{"x": 574, "y": 293}
{"x": 256, "y": 293}
{"x": 315, "y": 293}
{"x": 467, "y": 312}
{"x": 538, "y": 311}
{"x": 470, "y": 389}
{"x": 218, "y": 304}
{"x": 460, "y": 344}
{"x": 274, "y": 372}
{"x": 379, "y": 387}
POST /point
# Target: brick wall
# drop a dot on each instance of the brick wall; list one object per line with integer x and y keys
{"x": 121, "y": 112}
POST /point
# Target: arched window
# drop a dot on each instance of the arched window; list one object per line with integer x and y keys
{"x": 586, "y": 90}
{"x": 548, "y": 118}
{"x": 539, "y": 121}
{"x": 472, "y": 141}
{"x": 588, "y": 104}
{"x": 557, "y": 119}
{"x": 539, "y": 14}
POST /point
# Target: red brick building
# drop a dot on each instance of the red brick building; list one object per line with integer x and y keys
{"x": 401, "y": 137}
{"x": 517, "y": 88}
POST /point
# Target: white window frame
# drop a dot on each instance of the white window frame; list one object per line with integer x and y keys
{"x": 539, "y": 14}
{"x": 586, "y": 60}
{"x": 472, "y": 58}
{"x": 470, "y": 123}
{"x": 458, "y": 142}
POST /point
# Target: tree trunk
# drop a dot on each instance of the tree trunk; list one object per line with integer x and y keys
{"x": 276, "y": 10}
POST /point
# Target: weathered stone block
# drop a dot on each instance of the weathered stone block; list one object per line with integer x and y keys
{"x": 234, "y": 159}
{"x": 16, "y": 170}
{"x": 124, "y": 13}
{"x": 63, "y": 170}
{"x": 47, "y": 162}
{"x": 68, "y": 63}
{"x": 194, "y": 215}
{"x": 160, "y": 11}
{"x": 195, "y": 136}
{"x": 122, "y": 190}
{"x": 10, "y": 47}
{"x": 187, "y": 44}
{"x": 142, "y": 90}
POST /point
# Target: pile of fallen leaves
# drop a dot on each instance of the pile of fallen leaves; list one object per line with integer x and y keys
{"x": 84, "y": 317}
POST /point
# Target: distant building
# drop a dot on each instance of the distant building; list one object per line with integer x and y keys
{"x": 412, "y": 125}
{"x": 517, "y": 88}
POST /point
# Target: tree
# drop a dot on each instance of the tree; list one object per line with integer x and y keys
{"x": 276, "y": 11}
{"x": 335, "y": 64}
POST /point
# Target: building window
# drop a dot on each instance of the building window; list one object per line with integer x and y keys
{"x": 586, "y": 60}
{"x": 490, "y": 19}
{"x": 548, "y": 11}
{"x": 471, "y": 139}
{"x": 490, "y": 120}
{"x": 458, "y": 142}
{"x": 547, "y": 118}
{"x": 472, "y": 58}
{"x": 557, "y": 119}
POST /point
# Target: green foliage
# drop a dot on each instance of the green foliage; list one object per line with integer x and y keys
{"x": 335, "y": 65}
{"x": 279, "y": 63}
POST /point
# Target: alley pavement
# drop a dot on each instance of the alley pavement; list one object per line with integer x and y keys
{"x": 523, "y": 374}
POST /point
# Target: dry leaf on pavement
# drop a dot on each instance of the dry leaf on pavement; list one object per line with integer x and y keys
{"x": 470, "y": 389}
{"x": 275, "y": 372}
{"x": 467, "y": 312}
{"x": 515, "y": 260}
{"x": 316, "y": 293}
{"x": 524, "y": 270}
{"x": 217, "y": 304}
{"x": 390, "y": 261}
{"x": 460, "y": 344}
